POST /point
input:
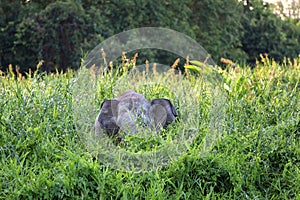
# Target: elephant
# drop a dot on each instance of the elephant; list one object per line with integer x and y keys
{"x": 132, "y": 110}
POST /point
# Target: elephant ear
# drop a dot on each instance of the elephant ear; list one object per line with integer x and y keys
{"x": 107, "y": 117}
{"x": 162, "y": 112}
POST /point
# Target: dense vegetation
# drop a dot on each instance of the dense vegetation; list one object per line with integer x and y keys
{"x": 256, "y": 155}
{"x": 60, "y": 32}
{"x": 244, "y": 118}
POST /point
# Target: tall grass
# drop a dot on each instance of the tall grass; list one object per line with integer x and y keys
{"x": 256, "y": 155}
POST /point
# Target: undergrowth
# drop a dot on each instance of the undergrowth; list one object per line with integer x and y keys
{"x": 255, "y": 157}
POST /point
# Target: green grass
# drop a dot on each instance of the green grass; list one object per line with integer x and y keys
{"x": 255, "y": 153}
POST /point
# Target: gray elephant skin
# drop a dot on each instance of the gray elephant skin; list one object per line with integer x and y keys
{"x": 131, "y": 111}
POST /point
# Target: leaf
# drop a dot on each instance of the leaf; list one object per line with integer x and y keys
{"x": 197, "y": 63}
{"x": 193, "y": 68}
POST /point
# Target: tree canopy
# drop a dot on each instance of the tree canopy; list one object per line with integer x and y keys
{"x": 60, "y": 32}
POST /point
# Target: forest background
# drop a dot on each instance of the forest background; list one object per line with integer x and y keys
{"x": 61, "y": 32}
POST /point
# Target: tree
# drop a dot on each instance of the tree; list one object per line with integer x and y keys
{"x": 57, "y": 34}
{"x": 217, "y": 26}
{"x": 10, "y": 16}
{"x": 266, "y": 32}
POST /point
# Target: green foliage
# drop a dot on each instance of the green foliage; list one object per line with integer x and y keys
{"x": 60, "y": 32}
{"x": 269, "y": 109}
{"x": 10, "y": 16}
{"x": 56, "y": 35}
{"x": 217, "y": 26}
{"x": 266, "y": 32}
{"x": 257, "y": 157}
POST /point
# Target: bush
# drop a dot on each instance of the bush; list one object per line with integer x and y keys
{"x": 55, "y": 35}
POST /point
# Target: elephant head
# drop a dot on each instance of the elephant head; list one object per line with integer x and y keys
{"x": 131, "y": 110}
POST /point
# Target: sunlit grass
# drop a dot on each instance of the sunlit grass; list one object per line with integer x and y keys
{"x": 256, "y": 155}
